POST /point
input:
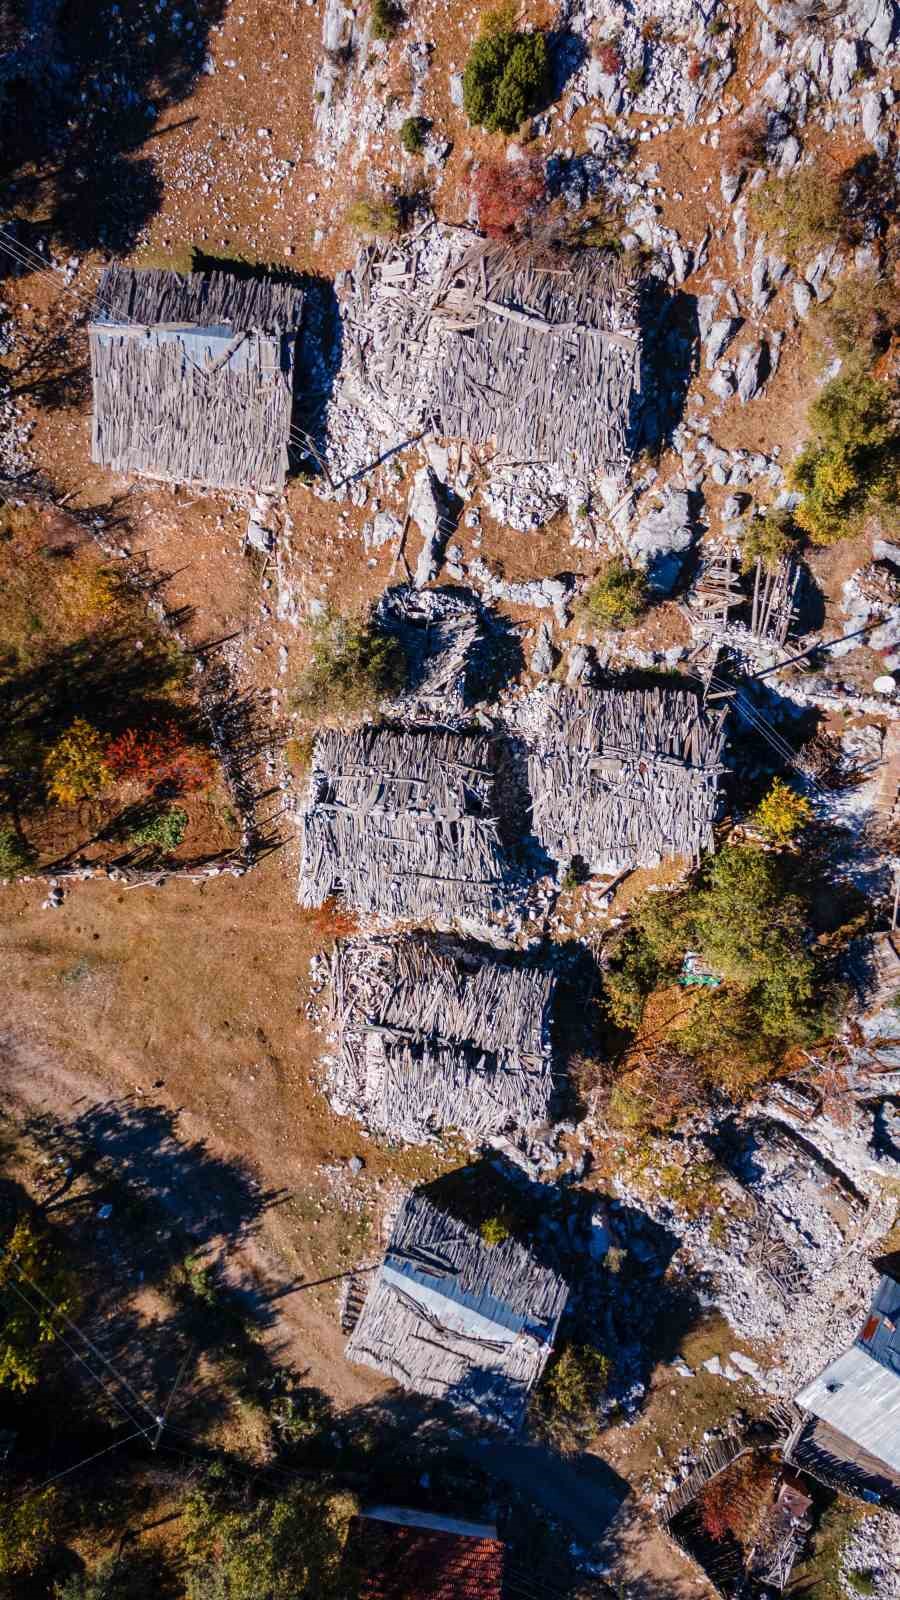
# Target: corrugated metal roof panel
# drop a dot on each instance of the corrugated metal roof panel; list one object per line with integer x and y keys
{"x": 860, "y": 1397}
{"x": 491, "y": 1320}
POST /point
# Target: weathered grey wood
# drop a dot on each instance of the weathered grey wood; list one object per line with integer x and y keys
{"x": 192, "y": 377}
{"x": 449, "y": 1317}
{"x": 403, "y": 824}
{"x": 623, "y": 777}
{"x": 439, "y": 1035}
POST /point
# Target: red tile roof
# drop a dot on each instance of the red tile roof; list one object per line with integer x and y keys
{"x": 401, "y": 1563}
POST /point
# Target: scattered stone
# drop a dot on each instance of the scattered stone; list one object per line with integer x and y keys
{"x": 872, "y": 108}
{"x": 720, "y": 336}
{"x": 790, "y": 154}
{"x": 802, "y": 297}
{"x": 428, "y": 508}
{"x": 661, "y": 538}
{"x": 579, "y": 665}
{"x": 753, "y": 367}
{"x": 730, "y": 183}
{"x": 543, "y": 656}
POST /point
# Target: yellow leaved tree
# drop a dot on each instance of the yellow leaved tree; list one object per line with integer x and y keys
{"x": 75, "y": 766}
{"x": 782, "y": 814}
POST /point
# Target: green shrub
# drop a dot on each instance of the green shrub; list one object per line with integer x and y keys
{"x": 634, "y": 79}
{"x": 301, "y": 1415}
{"x": 131, "y": 1574}
{"x": 860, "y": 319}
{"x": 280, "y": 1544}
{"x": 850, "y": 466}
{"x": 166, "y": 830}
{"x": 617, "y": 596}
{"x": 799, "y": 213}
{"x": 819, "y": 1574}
{"x": 412, "y": 135}
{"x": 648, "y": 954}
{"x": 16, "y": 854}
{"x": 386, "y": 19}
{"x": 577, "y": 872}
{"x": 506, "y": 79}
{"x": 75, "y": 765}
{"x": 769, "y": 539}
{"x": 354, "y": 665}
{"x": 863, "y": 1582}
{"x": 375, "y": 219}
{"x": 28, "y": 1529}
{"x": 599, "y": 226}
{"x": 565, "y": 1405}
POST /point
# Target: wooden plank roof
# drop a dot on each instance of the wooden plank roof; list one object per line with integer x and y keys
{"x": 435, "y": 1036}
{"x": 193, "y": 377}
{"x": 403, "y": 823}
{"x": 450, "y": 1317}
{"x": 623, "y": 777}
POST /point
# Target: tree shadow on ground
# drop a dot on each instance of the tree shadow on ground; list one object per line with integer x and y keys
{"x": 156, "y": 1222}
{"x": 135, "y": 1145}
{"x": 72, "y": 125}
{"x": 431, "y": 1455}
{"x": 568, "y": 52}
{"x": 115, "y": 678}
{"x": 50, "y": 369}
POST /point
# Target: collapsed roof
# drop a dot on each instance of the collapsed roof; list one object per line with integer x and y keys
{"x": 622, "y": 777}
{"x": 541, "y": 355}
{"x": 449, "y": 1317}
{"x": 193, "y": 376}
{"x": 403, "y": 824}
{"x": 444, "y": 640}
{"x": 431, "y": 1037}
{"x": 531, "y": 350}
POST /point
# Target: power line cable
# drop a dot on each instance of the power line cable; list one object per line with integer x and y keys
{"x": 272, "y": 1471}
{"x": 39, "y": 1488}
{"x": 759, "y": 723}
{"x": 89, "y": 1342}
{"x": 35, "y": 1310}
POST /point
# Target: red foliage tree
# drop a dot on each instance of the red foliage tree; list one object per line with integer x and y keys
{"x": 164, "y": 754}
{"x": 609, "y": 59}
{"x": 507, "y": 193}
{"x": 733, "y": 1501}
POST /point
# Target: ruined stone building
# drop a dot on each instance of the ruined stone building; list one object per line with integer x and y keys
{"x": 403, "y": 824}
{"x": 621, "y": 777}
{"x": 530, "y": 351}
